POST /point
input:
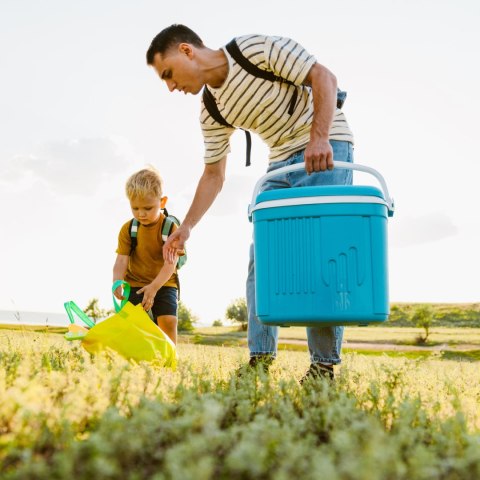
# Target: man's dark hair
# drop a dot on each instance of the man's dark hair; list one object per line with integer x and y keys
{"x": 170, "y": 37}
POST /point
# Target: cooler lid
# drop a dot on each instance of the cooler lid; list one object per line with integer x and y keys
{"x": 333, "y": 191}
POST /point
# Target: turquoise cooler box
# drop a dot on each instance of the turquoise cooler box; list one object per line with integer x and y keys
{"x": 321, "y": 253}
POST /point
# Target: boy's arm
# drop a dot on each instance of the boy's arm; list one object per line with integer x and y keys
{"x": 119, "y": 270}
{"x": 149, "y": 291}
{"x": 208, "y": 188}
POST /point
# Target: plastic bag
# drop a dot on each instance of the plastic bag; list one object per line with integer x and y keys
{"x": 129, "y": 332}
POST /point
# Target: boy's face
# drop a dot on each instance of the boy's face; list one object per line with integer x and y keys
{"x": 147, "y": 209}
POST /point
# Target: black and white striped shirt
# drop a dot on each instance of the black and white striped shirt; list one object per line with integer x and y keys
{"x": 261, "y": 106}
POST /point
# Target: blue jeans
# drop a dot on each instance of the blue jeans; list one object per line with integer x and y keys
{"x": 324, "y": 343}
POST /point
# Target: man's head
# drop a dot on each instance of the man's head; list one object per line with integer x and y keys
{"x": 144, "y": 189}
{"x": 173, "y": 54}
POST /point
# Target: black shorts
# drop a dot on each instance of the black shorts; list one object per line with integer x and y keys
{"x": 165, "y": 302}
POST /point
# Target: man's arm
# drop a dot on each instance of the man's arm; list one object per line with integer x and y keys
{"x": 209, "y": 186}
{"x": 318, "y": 153}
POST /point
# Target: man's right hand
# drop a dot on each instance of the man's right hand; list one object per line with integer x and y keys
{"x": 175, "y": 244}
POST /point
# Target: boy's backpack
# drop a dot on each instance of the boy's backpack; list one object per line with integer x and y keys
{"x": 237, "y": 55}
{"x": 167, "y": 227}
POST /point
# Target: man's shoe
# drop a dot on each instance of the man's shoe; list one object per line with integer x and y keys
{"x": 262, "y": 362}
{"x": 318, "y": 370}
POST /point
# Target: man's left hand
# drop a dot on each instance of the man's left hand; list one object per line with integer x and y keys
{"x": 318, "y": 156}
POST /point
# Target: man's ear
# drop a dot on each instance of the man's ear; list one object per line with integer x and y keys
{"x": 185, "y": 49}
{"x": 163, "y": 202}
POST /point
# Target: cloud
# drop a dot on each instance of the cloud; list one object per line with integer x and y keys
{"x": 75, "y": 166}
{"x": 432, "y": 227}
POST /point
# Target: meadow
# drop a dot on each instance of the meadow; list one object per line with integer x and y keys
{"x": 66, "y": 414}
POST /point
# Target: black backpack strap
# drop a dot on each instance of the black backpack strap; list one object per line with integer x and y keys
{"x": 133, "y": 229}
{"x": 212, "y": 109}
{"x": 237, "y": 55}
{"x": 246, "y": 64}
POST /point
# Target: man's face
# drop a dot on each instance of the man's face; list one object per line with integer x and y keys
{"x": 178, "y": 68}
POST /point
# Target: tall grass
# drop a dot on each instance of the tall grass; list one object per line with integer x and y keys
{"x": 65, "y": 414}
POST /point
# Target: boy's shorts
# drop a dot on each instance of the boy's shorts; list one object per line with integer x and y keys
{"x": 165, "y": 302}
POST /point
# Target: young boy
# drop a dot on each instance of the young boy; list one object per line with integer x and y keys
{"x": 153, "y": 282}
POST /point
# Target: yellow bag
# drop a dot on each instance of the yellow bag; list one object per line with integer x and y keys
{"x": 129, "y": 332}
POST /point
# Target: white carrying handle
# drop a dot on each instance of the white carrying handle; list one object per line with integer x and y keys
{"x": 337, "y": 164}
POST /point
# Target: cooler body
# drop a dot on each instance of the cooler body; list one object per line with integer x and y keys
{"x": 321, "y": 256}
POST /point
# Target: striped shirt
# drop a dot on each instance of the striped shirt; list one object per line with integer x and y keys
{"x": 261, "y": 106}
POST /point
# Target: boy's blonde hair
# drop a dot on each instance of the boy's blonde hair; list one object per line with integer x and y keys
{"x": 145, "y": 182}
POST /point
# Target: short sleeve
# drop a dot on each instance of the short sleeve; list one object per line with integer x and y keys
{"x": 216, "y": 137}
{"x": 288, "y": 59}
{"x": 124, "y": 241}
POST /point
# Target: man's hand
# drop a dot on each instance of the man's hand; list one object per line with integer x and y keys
{"x": 149, "y": 291}
{"x": 175, "y": 244}
{"x": 318, "y": 156}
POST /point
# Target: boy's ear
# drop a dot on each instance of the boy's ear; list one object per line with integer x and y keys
{"x": 163, "y": 202}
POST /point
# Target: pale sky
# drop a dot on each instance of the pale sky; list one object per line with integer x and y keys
{"x": 80, "y": 111}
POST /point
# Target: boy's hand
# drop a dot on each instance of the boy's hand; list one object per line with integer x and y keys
{"x": 149, "y": 291}
{"x": 119, "y": 292}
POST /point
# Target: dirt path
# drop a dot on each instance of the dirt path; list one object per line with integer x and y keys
{"x": 392, "y": 347}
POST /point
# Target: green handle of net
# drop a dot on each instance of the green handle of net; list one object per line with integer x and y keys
{"x": 73, "y": 308}
{"x": 126, "y": 292}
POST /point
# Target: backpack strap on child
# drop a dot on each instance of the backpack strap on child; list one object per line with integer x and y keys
{"x": 167, "y": 227}
{"x": 133, "y": 235}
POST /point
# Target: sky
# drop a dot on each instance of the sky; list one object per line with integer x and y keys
{"x": 80, "y": 111}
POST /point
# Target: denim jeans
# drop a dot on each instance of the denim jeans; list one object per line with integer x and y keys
{"x": 324, "y": 343}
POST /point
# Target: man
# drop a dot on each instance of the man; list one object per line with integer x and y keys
{"x": 296, "y": 115}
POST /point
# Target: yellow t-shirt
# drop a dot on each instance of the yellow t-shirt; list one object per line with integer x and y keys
{"x": 147, "y": 259}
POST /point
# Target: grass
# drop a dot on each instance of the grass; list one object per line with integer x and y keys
{"x": 384, "y": 334}
{"x": 375, "y": 342}
{"x": 67, "y": 414}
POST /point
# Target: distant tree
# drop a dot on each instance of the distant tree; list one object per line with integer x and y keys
{"x": 186, "y": 318}
{"x": 237, "y": 312}
{"x": 422, "y": 318}
{"x": 399, "y": 315}
{"x": 95, "y": 312}
{"x": 217, "y": 323}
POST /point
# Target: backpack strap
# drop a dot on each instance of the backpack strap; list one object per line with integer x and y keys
{"x": 212, "y": 109}
{"x": 211, "y": 104}
{"x": 167, "y": 227}
{"x": 246, "y": 64}
{"x": 237, "y": 55}
{"x": 133, "y": 235}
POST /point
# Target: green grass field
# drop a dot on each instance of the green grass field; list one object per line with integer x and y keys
{"x": 66, "y": 414}
{"x": 392, "y": 335}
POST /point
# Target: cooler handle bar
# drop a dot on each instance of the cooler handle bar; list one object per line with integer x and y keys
{"x": 337, "y": 164}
